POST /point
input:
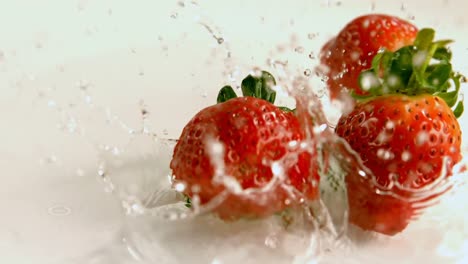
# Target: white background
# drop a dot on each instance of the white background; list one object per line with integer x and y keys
{"x": 53, "y": 207}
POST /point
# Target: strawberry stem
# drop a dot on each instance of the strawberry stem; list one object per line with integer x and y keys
{"x": 423, "y": 67}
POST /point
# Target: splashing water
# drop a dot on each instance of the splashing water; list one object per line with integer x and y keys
{"x": 314, "y": 233}
{"x": 159, "y": 228}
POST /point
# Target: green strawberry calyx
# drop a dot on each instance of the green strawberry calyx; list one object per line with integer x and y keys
{"x": 254, "y": 86}
{"x": 421, "y": 68}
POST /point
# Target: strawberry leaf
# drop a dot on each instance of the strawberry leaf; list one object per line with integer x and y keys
{"x": 424, "y": 38}
{"x": 383, "y": 64}
{"x": 459, "y": 109}
{"x": 401, "y": 69}
{"x": 188, "y": 201}
{"x": 225, "y": 94}
{"x": 376, "y": 61}
{"x": 443, "y": 54}
{"x": 260, "y": 87}
{"x": 253, "y": 86}
{"x": 421, "y": 68}
{"x": 287, "y": 109}
{"x": 443, "y": 43}
{"x": 439, "y": 76}
{"x": 449, "y": 97}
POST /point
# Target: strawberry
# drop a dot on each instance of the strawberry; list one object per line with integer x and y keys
{"x": 405, "y": 133}
{"x": 253, "y": 134}
{"x": 353, "y": 49}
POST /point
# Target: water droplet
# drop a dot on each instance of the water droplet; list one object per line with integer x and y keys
{"x": 220, "y": 40}
{"x": 180, "y": 187}
{"x": 271, "y": 241}
{"x": 101, "y": 172}
{"x": 144, "y": 112}
{"x": 312, "y": 35}
{"x": 59, "y": 210}
{"x": 277, "y": 169}
{"x": 355, "y": 56}
{"x": 419, "y": 58}
{"x": 385, "y": 154}
{"x": 312, "y": 55}
{"x": 51, "y": 104}
{"x": 322, "y": 70}
{"x": 88, "y": 99}
{"x": 299, "y": 49}
{"x": 403, "y": 7}
{"x": 368, "y": 81}
{"x": 307, "y": 72}
{"x": 216, "y": 148}
{"x": 318, "y": 129}
{"x": 389, "y": 125}
{"x": 422, "y": 138}
{"x": 405, "y": 156}
{"x": 51, "y": 159}
{"x": 72, "y": 125}
{"x": 38, "y": 45}
{"x": 174, "y": 15}
{"x": 83, "y": 84}
{"x": 393, "y": 80}
{"x": 116, "y": 151}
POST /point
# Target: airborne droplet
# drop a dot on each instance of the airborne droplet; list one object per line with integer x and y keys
{"x": 299, "y": 49}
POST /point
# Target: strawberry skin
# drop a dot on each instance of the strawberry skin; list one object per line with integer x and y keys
{"x": 352, "y": 50}
{"x": 254, "y": 132}
{"x": 399, "y": 137}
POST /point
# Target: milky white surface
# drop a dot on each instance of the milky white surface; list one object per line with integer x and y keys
{"x": 68, "y": 66}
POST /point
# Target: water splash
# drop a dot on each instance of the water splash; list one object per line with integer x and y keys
{"x": 138, "y": 174}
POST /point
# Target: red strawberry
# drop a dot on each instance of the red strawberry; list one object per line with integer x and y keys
{"x": 405, "y": 132}
{"x": 254, "y": 133}
{"x": 352, "y": 50}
